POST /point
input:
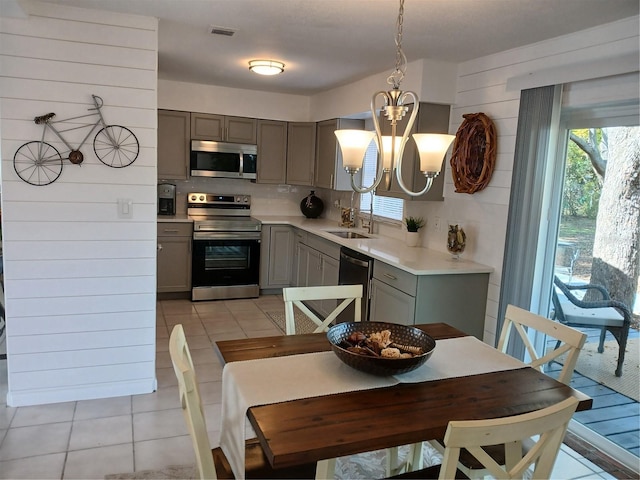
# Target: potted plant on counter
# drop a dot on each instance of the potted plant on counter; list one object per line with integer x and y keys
{"x": 413, "y": 225}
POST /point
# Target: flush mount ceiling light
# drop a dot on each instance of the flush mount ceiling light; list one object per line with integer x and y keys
{"x": 266, "y": 67}
{"x": 431, "y": 147}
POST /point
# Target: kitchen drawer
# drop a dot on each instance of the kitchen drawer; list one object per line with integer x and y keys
{"x": 175, "y": 229}
{"x": 395, "y": 277}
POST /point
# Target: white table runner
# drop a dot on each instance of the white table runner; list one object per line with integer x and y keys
{"x": 272, "y": 380}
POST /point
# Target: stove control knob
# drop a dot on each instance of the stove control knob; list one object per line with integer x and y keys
{"x": 201, "y": 198}
{"x": 192, "y": 198}
{"x": 245, "y": 199}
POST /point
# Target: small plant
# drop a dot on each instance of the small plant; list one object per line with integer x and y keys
{"x": 414, "y": 224}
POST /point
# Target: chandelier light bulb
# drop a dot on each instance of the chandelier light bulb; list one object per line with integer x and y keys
{"x": 432, "y": 148}
{"x": 354, "y": 144}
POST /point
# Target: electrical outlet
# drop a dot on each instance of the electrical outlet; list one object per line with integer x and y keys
{"x": 436, "y": 224}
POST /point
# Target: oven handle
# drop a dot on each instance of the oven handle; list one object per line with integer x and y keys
{"x": 226, "y": 235}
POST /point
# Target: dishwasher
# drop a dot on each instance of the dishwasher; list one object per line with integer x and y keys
{"x": 355, "y": 269}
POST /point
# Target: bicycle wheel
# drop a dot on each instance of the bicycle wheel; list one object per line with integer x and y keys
{"x": 116, "y": 146}
{"x": 38, "y": 163}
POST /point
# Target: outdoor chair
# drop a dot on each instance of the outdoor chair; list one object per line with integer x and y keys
{"x": 605, "y": 314}
{"x": 212, "y": 463}
{"x": 548, "y": 426}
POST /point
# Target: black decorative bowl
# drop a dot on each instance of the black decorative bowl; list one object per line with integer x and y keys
{"x": 400, "y": 334}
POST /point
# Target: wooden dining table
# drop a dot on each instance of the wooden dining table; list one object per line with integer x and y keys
{"x": 308, "y": 430}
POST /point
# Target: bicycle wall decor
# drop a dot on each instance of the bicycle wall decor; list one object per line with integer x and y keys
{"x": 40, "y": 163}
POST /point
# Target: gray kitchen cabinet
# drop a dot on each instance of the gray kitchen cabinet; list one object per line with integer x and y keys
{"x": 276, "y": 256}
{"x": 272, "y": 152}
{"x": 222, "y": 128}
{"x": 301, "y": 153}
{"x": 317, "y": 264}
{"x": 393, "y": 295}
{"x": 173, "y": 145}
{"x": 329, "y": 171}
{"x": 174, "y": 257}
{"x": 401, "y": 297}
{"x": 432, "y": 118}
{"x": 388, "y": 304}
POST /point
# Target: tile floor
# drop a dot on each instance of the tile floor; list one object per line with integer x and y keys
{"x": 89, "y": 439}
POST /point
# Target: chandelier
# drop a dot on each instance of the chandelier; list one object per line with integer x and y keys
{"x": 431, "y": 147}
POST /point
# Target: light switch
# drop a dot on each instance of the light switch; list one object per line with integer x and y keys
{"x": 125, "y": 208}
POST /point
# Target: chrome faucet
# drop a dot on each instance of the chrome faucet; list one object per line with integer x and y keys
{"x": 369, "y": 225}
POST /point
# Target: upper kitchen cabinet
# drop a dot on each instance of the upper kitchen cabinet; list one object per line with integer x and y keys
{"x": 301, "y": 153}
{"x": 173, "y": 144}
{"x": 221, "y": 128}
{"x": 286, "y": 152}
{"x": 272, "y": 151}
{"x": 330, "y": 172}
{"x": 432, "y": 118}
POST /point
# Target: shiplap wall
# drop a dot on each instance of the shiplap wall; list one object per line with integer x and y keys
{"x": 79, "y": 279}
{"x": 482, "y": 87}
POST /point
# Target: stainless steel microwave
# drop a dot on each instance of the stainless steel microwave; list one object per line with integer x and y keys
{"x": 223, "y": 160}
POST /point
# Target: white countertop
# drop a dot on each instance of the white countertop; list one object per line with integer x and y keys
{"x": 415, "y": 260}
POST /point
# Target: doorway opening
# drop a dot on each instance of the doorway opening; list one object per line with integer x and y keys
{"x": 597, "y": 243}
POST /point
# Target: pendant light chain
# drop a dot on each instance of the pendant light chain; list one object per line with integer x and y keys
{"x": 397, "y": 76}
{"x": 431, "y": 147}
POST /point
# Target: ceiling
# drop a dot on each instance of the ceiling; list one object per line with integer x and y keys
{"x": 327, "y": 43}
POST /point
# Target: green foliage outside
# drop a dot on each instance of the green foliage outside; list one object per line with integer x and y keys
{"x": 582, "y": 184}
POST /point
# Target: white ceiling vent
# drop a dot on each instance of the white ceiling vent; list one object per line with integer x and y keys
{"x": 227, "y": 32}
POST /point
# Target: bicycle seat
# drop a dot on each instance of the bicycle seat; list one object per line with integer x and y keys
{"x": 44, "y": 118}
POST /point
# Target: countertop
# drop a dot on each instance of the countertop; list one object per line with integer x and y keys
{"x": 415, "y": 260}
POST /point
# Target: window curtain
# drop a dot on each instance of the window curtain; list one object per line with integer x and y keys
{"x": 536, "y": 138}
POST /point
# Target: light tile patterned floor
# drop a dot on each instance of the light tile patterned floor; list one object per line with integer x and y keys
{"x": 89, "y": 439}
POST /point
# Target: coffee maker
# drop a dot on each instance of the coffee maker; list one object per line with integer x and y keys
{"x": 166, "y": 199}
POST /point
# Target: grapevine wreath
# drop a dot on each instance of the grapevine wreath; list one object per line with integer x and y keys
{"x": 474, "y": 153}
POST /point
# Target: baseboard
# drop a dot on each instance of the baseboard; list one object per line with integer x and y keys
{"x": 44, "y": 396}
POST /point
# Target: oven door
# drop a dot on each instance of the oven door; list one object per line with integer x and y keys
{"x": 226, "y": 261}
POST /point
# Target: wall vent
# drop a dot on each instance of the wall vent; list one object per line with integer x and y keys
{"x": 227, "y": 32}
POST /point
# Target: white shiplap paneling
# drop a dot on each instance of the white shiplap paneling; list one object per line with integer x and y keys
{"x": 79, "y": 279}
{"x": 482, "y": 87}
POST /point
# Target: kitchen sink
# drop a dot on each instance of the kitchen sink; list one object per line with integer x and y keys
{"x": 348, "y": 234}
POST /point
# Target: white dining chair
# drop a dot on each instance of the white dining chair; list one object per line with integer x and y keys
{"x": 548, "y": 426}
{"x": 296, "y": 296}
{"x": 569, "y": 342}
{"x": 212, "y": 463}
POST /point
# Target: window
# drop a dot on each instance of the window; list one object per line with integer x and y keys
{"x": 387, "y": 207}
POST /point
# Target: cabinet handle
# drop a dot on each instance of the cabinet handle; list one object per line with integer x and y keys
{"x": 226, "y": 133}
{"x": 331, "y": 181}
{"x": 392, "y": 277}
{"x": 170, "y": 231}
{"x": 159, "y": 246}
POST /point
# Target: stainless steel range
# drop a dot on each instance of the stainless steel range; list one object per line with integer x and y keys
{"x": 226, "y": 247}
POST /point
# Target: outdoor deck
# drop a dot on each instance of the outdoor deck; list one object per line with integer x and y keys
{"x": 614, "y": 416}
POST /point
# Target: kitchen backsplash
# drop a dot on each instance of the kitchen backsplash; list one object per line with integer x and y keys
{"x": 265, "y": 199}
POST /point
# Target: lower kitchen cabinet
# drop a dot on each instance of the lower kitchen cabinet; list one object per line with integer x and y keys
{"x": 388, "y": 304}
{"x": 276, "y": 256}
{"x": 401, "y": 297}
{"x": 174, "y": 257}
{"x": 317, "y": 264}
